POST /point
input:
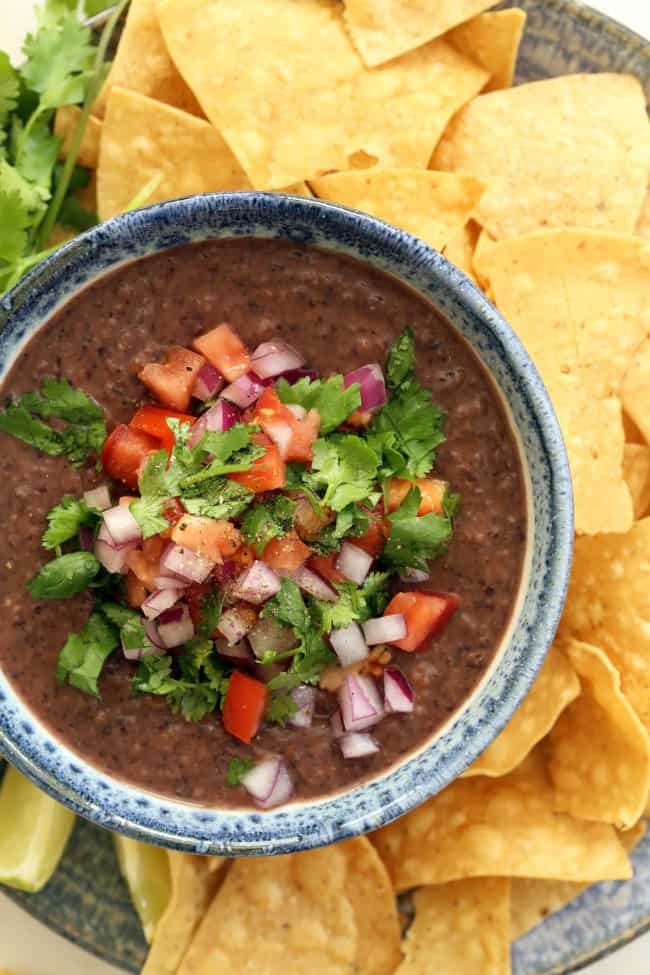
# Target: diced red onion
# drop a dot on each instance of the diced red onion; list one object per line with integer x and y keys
{"x": 304, "y": 697}
{"x": 257, "y": 584}
{"x": 336, "y": 724}
{"x": 121, "y": 525}
{"x": 269, "y": 783}
{"x": 137, "y": 653}
{"x": 169, "y": 582}
{"x": 159, "y": 601}
{"x": 360, "y": 703}
{"x": 234, "y": 625}
{"x": 111, "y": 555}
{"x": 372, "y": 385}
{"x": 349, "y": 645}
{"x": 226, "y": 571}
{"x": 280, "y": 433}
{"x": 175, "y": 627}
{"x": 151, "y": 629}
{"x": 185, "y": 563}
{"x": 295, "y": 375}
{"x": 244, "y": 391}
{"x": 398, "y": 693}
{"x": 238, "y": 654}
{"x": 353, "y": 563}
{"x": 98, "y": 498}
{"x": 385, "y": 629}
{"x": 268, "y": 635}
{"x": 357, "y": 745}
{"x": 219, "y": 418}
{"x": 86, "y": 538}
{"x": 208, "y": 382}
{"x": 274, "y": 358}
{"x": 310, "y": 582}
{"x": 298, "y": 411}
{"x": 414, "y": 575}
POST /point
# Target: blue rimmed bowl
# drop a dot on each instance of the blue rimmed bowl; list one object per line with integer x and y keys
{"x": 30, "y": 746}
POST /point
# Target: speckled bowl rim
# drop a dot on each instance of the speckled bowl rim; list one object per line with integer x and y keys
{"x": 124, "y": 808}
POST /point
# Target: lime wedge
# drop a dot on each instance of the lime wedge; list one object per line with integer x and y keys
{"x": 34, "y": 830}
{"x": 146, "y": 872}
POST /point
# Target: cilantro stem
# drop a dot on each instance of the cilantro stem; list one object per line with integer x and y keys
{"x": 91, "y": 93}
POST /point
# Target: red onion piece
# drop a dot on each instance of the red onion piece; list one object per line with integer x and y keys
{"x": 269, "y": 783}
{"x": 336, "y": 724}
{"x": 238, "y": 654}
{"x": 298, "y": 411}
{"x": 414, "y": 575}
{"x": 268, "y": 635}
{"x": 310, "y": 582}
{"x": 398, "y": 693}
{"x": 151, "y": 629}
{"x": 137, "y": 653}
{"x": 349, "y": 645}
{"x": 169, "y": 582}
{"x": 304, "y": 697}
{"x": 234, "y": 625}
{"x": 360, "y": 703}
{"x": 186, "y": 564}
{"x": 295, "y": 375}
{"x": 175, "y": 627}
{"x": 219, "y": 418}
{"x": 86, "y": 538}
{"x": 358, "y": 745}
{"x": 274, "y": 358}
{"x": 280, "y": 433}
{"x": 385, "y": 629}
{"x": 353, "y": 563}
{"x": 121, "y": 525}
{"x": 208, "y": 382}
{"x": 160, "y": 600}
{"x": 244, "y": 391}
{"x": 257, "y": 584}
{"x": 98, "y": 498}
{"x": 372, "y": 385}
{"x": 225, "y": 572}
{"x": 111, "y": 555}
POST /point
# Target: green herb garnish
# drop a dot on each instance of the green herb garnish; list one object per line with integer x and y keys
{"x": 237, "y": 769}
{"x": 65, "y": 576}
{"x": 84, "y": 654}
{"x": 267, "y": 520}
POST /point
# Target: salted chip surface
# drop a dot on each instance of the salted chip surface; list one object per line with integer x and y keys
{"x": 463, "y": 926}
{"x": 292, "y": 98}
{"x": 609, "y": 605}
{"x": 142, "y": 63}
{"x": 643, "y": 223}
{"x": 571, "y": 151}
{"x": 460, "y": 248}
{"x": 430, "y": 205}
{"x": 370, "y": 892}
{"x": 635, "y": 392}
{"x": 556, "y": 685}
{"x": 580, "y": 302}
{"x": 384, "y": 30}
{"x": 599, "y": 757}
{"x": 65, "y": 122}
{"x": 636, "y": 471}
{"x": 493, "y": 40}
{"x": 505, "y": 827}
{"x": 146, "y": 143}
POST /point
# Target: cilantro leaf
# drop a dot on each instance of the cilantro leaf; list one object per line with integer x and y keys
{"x": 450, "y": 504}
{"x": 74, "y": 216}
{"x": 287, "y": 607}
{"x": 118, "y": 615}
{"x": 237, "y": 769}
{"x": 415, "y": 539}
{"x": 346, "y": 467}
{"x": 351, "y": 522}
{"x": 37, "y": 153}
{"x": 148, "y": 512}
{"x": 65, "y": 576}
{"x": 333, "y": 402}
{"x": 9, "y": 89}
{"x": 14, "y": 221}
{"x": 64, "y": 401}
{"x": 355, "y": 604}
{"x": 58, "y": 62}
{"x": 400, "y": 364}
{"x": 217, "y": 497}
{"x": 266, "y": 520}
{"x": 209, "y": 615}
{"x": 66, "y": 518}
{"x": 312, "y": 654}
{"x": 18, "y": 423}
{"x": 83, "y": 655}
{"x": 280, "y": 710}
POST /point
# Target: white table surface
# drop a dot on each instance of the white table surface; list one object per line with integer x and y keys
{"x": 27, "y": 947}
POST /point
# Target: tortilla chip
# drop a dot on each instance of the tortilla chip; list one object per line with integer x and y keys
{"x": 194, "y": 882}
{"x": 382, "y": 31}
{"x": 146, "y": 142}
{"x": 532, "y": 901}
{"x": 370, "y": 892}
{"x": 643, "y": 223}
{"x": 555, "y": 687}
{"x": 636, "y": 471}
{"x": 635, "y": 392}
{"x": 460, "y": 247}
{"x": 430, "y": 205}
{"x": 609, "y": 605}
{"x": 599, "y": 751}
{"x": 463, "y": 927}
{"x": 564, "y": 152}
{"x": 580, "y": 302}
{"x": 292, "y": 109}
{"x": 505, "y": 827}
{"x": 630, "y": 429}
{"x": 493, "y": 41}
{"x": 65, "y": 122}
{"x": 142, "y": 63}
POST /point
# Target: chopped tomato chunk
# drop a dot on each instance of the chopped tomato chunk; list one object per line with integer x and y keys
{"x": 136, "y": 592}
{"x": 432, "y": 491}
{"x": 309, "y": 523}
{"x": 325, "y": 566}
{"x": 124, "y": 452}
{"x": 426, "y": 614}
{"x": 375, "y": 536}
{"x": 171, "y": 382}
{"x": 360, "y": 419}
{"x": 267, "y": 473}
{"x": 286, "y": 553}
{"x": 225, "y": 350}
{"x": 244, "y": 706}
{"x": 173, "y": 511}
{"x": 213, "y": 538}
{"x": 153, "y": 420}
{"x": 292, "y": 436}
{"x": 143, "y": 568}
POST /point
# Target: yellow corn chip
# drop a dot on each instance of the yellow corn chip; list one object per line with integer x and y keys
{"x": 463, "y": 926}
{"x": 631, "y": 430}
{"x": 594, "y": 312}
{"x": 567, "y": 151}
{"x": 599, "y": 750}
{"x": 643, "y": 223}
{"x": 555, "y": 687}
{"x": 370, "y": 892}
{"x": 460, "y": 247}
{"x": 142, "y": 63}
{"x": 636, "y": 471}
{"x": 492, "y": 40}
{"x": 146, "y": 142}
{"x": 384, "y": 30}
{"x": 292, "y": 109}
{"x": 430, "y": 205}
{"x": 609, "y": 605}
{"x": 505, "y": 827}
{"x": 65, "y": 123}
{"x": 635, "y": 392}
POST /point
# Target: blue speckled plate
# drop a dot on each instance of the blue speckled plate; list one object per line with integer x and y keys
{"x": 87, "y": 902}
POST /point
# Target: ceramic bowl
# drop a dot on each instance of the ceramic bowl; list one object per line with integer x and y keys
{"x": 28, "y": 744}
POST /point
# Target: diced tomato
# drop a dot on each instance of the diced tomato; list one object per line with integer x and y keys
{"x": 213, "y": 538}
{"x": 171, "y": 382}
{"x": 225, "y": 350}
{"x": 426, "y": 614}
{"x": 244, "y": 706}
{"x": 136, "y": 592}
{"x": 124, "y": 451}
{"x": 375, "y": 536}
{"x": 153, "y": 420}
{"x": 244, "y": 558}
{"x": 267, "y": 473}
{"x": 293, "y": 437}
{"x": 286, "y": 553}
{"x": 309, "y": 523}
{"x": 325, "y": 566}
{"x": 173, "y": 511}
{"x": 153, "y": 548}
{"x": 194, "y": 596}
{"x": 144, "y": 569}
{"x": 432, "y": 491}
{"x": 359, "y": 419}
